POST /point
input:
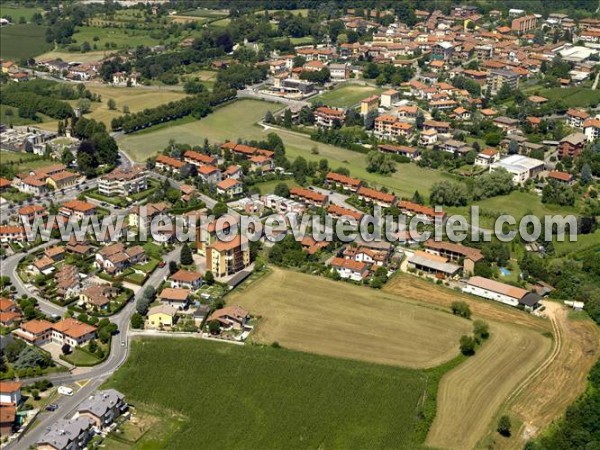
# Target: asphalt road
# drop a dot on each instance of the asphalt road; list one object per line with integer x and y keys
{"x": 96, "y": 375}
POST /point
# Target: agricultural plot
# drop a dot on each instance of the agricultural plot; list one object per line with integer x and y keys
{"x": 573, "y": 97}
{"x": 104, "y": 38}
{"x": 470, "y": 395}
{"x": 23, "y": 41}
{"x": 239, "y": 119}
{"x": 317, "y": 315}
{"x": 347, "y": 95}
{"x": 277, "y": 398}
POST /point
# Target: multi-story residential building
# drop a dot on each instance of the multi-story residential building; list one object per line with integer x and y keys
{"x": 199, "y": 159}
{"x": 339, "y": 72}
{"x": 376, "y": 197}
{"x": 309, "y": 197}
{"x": 230, "y": 187}
{"x": 487, "y": 157}
{"x": 227, "y": 258}
{"x": 9, "y": 233}
{"x": 576, "y": 117}
{"x": 369, "y": 104}
{"x": 328, "y": 117}
{"x": 389, "y": 97}
{"x": 123, "y": 182}
{"x": 499, "y": 77}
{"x": 63, "y": 179}
{"x": 169, "y": 164}
{"x": 77, "y": 208}
{"x": 102, "y": 408}
{"x": 67, "y": 331}
{"x": 71, "y": 434}
{"x": 209, "y": 174}
{"x": 347, "y": 183}
{"x": 31, "y": 212}
{"x": 572, "y": 145}
{"x": 522, "y": 25}
{"x": 591, "y": 129}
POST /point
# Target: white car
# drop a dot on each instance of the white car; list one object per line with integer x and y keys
{"x": 64, "y": 390}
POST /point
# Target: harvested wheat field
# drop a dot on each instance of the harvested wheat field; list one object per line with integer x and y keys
{"x": 470, "y": 395}
{"x": 314, "y": 314}
{"x": 424, "y": 291}
{"x": 559, "y": 382}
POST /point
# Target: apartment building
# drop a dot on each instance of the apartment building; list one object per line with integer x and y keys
{"x": 123, "y": 182}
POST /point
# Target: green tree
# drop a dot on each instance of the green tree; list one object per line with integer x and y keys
{"x": 282, "y": 189}
{"x": 219, "y": 210}
{"x": 481, "y": 330}
{"x": 504, "y": 426}
{"x": 112, "y": 104}
{"x": 287, "y": 118}
{"x": 214, "y": 326}
{"x": 467, "y": 345}
{"x": 186, "y": 257}
{"x": 462, "y": 309}
{"x": 209, "y": 278}
{"x": 137, "y": 321}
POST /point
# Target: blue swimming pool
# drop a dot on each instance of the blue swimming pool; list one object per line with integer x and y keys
{"x": 504, "y": 272}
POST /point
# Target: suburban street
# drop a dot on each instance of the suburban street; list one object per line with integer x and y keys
{"x": 96, "y": 375}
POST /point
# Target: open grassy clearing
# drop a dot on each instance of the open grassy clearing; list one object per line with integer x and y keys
{"x": 347, "y": 95}
{"x": 16, "y": 12}
{"x": 516, "y": 204}
{"x": 218, "y": 127}
{"x": 317, "y": 315}
{"x": 15, "y": 119}
{"x": 122, "y": 37}
{"x": 576, "y": 96}
{"x": 584, "y": 242}
{"x": 276, "y": 398}
{"x": 28, "y": 161}
{"x": 267, "y": 187}
{"x": 204, "y": 12}
{"x": 220, "y": 23}
{"x": 470, "y": 395}
{"x": 23, "y": 41}
{"x": 549, "y": 394}
{"x": 137, "y": 99}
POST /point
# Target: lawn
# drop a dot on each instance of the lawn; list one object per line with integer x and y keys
{"x": 23, "y": 41}
{"x": 276, "y": 398}
{"x": 153, "y": 250}
{"x": 267, "y": 187}
{"x": 584, "y": 242}
{"x": 318, "y": 315}
{"x": 15, "y": 12}
{"x": 573, "y": 97}
{"x": 25, "y": 160}
{"x": 79, "y": 357}
{"x": 347, "y": 95}
{"x": 121, "y": 37}
{"x": 245, "y": 114}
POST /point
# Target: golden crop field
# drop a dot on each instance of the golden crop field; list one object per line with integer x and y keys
{"x": 317, "y": 315}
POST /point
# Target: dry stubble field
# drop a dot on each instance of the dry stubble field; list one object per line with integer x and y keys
{"x": 533, "y": 398}
{"x": 317, "y": 315}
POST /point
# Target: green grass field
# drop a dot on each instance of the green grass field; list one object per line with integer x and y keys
{"x": 16, "y": 12}
{"x": 28, "y": 161}
{"x": 576, "y": 96}
{"x": 23, "y": 41}
{"x": 274, "y": 398}
{"x": 15, "y": 119}
{"x": 245, "y": 114}
{"x": 516, "y": 204}
{"x": 122, "y": 37}
{"x": 267, "y": 187}
{"x": 347, "y": 95}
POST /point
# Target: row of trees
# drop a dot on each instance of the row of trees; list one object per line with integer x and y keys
{"x": 29, "y": 104}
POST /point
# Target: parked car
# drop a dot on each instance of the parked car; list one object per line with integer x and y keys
{"x": 64, "y": 390}
{"x": 162, "y": 264}
{"x": 52, "y": 407}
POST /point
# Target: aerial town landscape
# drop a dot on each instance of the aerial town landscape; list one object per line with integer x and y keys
{"x": 300, "y": 224}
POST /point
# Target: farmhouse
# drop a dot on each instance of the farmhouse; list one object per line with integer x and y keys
{"x": 455, "y": 252}
{"x": 434, "y": 264}
{"x": 501, "y": 292}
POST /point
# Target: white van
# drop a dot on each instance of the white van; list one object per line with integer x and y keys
{"x": 65, "y": 390}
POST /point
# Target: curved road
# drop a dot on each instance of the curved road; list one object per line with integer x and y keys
{"x": 93, "y": 376}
